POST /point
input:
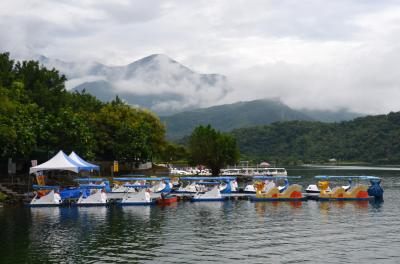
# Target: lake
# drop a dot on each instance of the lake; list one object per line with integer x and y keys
{"x": 216, "y": 232}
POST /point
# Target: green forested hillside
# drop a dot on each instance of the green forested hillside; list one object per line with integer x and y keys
{"x": 371, "y": 139}
{"x": 38, "y": 117}
{"x": 230, "y": 116}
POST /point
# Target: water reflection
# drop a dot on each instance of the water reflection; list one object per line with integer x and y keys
{"x": 46, "y": 215}
{"x": 137, "y": 212}
{"x": 276, "y": 206}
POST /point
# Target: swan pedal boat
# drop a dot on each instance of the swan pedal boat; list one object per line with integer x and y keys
{"x": 355, "y": 192}
{"x": 267, "y": 191}
{"x": 46, "y": 196}
{"x": 226, "y": 184}
{"x": 139, "y": 196}
{"x": 96, "y": 197}
{"x": 124, "y": 185}
{"x": 213, "y": 194}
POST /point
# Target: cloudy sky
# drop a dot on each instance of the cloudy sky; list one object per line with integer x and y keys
{"x": 319, "y": 54}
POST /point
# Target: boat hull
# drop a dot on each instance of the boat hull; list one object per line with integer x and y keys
{"x": 208, "y": 199}
{"x": 136, "y": 203}
{"x": 167, "y": 201}
{"x": 255, "y": 199}
{"x": 324, "y": 199}
{"x": 89, "y": 204}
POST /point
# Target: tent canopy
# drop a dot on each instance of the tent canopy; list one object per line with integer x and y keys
{"x": 59, "y": 162}
{"x": 84, "y": 164}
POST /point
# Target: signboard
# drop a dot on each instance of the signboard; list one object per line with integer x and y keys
{"x": 116, "y": 167}
{"x": 12, "y": 167}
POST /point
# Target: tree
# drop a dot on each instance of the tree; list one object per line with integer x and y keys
{"x": 212, "y": 148}
{"x": 128, "y": 133}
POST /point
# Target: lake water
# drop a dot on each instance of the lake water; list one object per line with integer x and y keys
{"x": 224, "y": 232}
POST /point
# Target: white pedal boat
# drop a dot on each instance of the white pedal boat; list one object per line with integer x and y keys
{"x": 51, "y": 198}
{"x": 140, "y": 197}
{"x": 212, "y": 195}
{"x": 96, "y": 197}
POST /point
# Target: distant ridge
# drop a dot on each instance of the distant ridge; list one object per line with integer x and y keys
{"x": 230, "y": 116}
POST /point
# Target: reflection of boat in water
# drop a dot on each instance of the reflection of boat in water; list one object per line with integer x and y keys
{"x": 267, "y": 189}
{"x": 48, "y": 214}
{"x": 354, "y": 192}
{"x": 46, "y": 196}
{"x": 142, "y": 212}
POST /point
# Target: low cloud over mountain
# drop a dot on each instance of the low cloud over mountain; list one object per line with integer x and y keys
{"x": 156, "y": 82}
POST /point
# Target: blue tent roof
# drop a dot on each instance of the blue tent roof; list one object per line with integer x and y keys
{"x": 82, "y": 163}
{"x": 59, "y": 162}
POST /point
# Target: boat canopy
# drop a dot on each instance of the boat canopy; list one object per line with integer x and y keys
{"x": 133, "y": 175}
{"x": 207, "y": 178}
{"x": 208, "y": 182}
{"x": 91, "y": 186}
{"x": 142, "y": 179}
{"x": 361, "y": 177}
{"x": 83, "y": 163}
{"x": 128, "y": 179}
{"x": 45, "y": 187}
{"x": 90, "y": 180}
{"x": 137, "y": 186}
{"x": 59, "y": 162}
{"x": 275, "y": 177}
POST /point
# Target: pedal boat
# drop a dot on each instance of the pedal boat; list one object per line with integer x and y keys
{"x": 119, "y": 187}
{"x": 46, "y": 196}
{"x": 355, "y": 192}
{"x": 270, "y": 192}
{"x": 225, "y": 184}
{"x": 251, "y": 188}
{"x": 141, "y": 195}
{"x": 211, "y": 195}
{"x": 96, "y": 197}
{"x": 166, "y": 199}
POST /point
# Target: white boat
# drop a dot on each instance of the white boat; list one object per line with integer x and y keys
{"x": 268, "y": 184}
{"x": 140, "y": 197}
{"x": 229, "y": 186}
{"x": 254, "y": 171}
{"x": 97, "y": 196}
{"x": 50, "y": 198}
{"x": 212, "y": 195}
{"x": 191, "y": 187}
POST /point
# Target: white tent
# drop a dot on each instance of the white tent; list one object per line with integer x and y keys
{"x": 84, "y": 164}
{"x": 59, "y": 162}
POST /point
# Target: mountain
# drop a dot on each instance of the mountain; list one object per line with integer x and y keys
{"x": 230, "y": 116}
{"x": 331, "y": 116}
{"x": 156, "y": 82}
